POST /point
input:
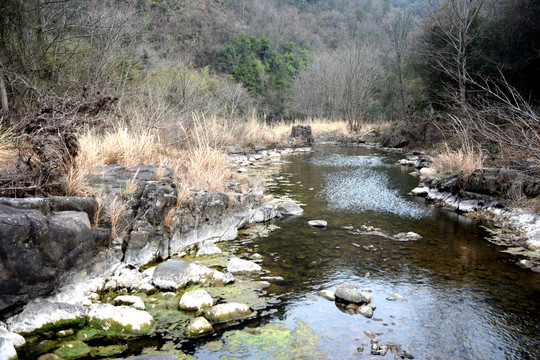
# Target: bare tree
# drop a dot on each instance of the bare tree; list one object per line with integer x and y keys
{"x": 452, "y": 30}
{"x": 361, "y": 70}
{"x": 398, "y": 32}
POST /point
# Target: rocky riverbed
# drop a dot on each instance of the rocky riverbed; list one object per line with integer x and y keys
{"x": 81, "y": 270}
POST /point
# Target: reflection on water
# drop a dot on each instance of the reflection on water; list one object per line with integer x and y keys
{"x": 450, "y": 295}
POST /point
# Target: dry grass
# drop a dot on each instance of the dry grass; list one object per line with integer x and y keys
{"x": 8, "y": 155}
{"x": 117, "y": 209}
{"x": 191, "y": 147}
{"x": 466, "y": 159}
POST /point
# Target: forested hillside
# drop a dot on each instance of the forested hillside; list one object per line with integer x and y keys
{"x": 462, "y": 71}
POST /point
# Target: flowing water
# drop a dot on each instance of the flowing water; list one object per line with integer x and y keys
{"x": 450, "y": 295}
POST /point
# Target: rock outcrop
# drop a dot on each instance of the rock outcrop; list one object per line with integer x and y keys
{"x": 50, "y": 243}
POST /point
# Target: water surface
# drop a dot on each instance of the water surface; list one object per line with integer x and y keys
{"x": 450, "y": 295}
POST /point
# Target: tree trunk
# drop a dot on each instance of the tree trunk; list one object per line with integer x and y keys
{"x": 3, "y": 91}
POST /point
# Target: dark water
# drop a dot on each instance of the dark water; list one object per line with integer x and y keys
{"x": 458, "y": 296}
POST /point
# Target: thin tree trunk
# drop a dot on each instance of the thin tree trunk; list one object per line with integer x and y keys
{"x": 3, "y": 91}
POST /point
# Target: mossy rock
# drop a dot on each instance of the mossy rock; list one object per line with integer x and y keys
{"x": 111, "y": 350}
{"x": 274, "y": 341}
{"x": 72, "y": 350}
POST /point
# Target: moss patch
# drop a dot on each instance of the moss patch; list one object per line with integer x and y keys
{"x": 72, "y": 350}
{"x": 274, "y": 341}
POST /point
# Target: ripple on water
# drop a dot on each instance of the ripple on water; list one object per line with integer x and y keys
{"x": 363, "y": 189}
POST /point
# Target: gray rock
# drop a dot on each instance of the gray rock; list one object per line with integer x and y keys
{"x": 317, "y": 223}
{"x": 195, "y": 300}
{"x": 266, "y": 213}
{"x": 349, "y": 293}
{"x": 238, "y": 266}
{"x": 366, "y": 310}
{"x": 207, "y": 248}
{"x": 290, "y": 208}
{"x": 223, "y": 313}
{"x": 175, "y": 274}
{"x": 301, "y": 136}
{"x": 38, "y": 250}
{"x": 41, "y": 312}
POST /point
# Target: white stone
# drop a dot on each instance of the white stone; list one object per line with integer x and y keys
{"x": 317, "y": 223}
{"x": 365, "y": 310}
{"x": 123, "y": 315}
{"x": 7, "y": 350}
{"x": 328, "y": 294}
{"x": 16, "y": 339}
{"x": 41, "y": 312}
{"x": 237, "y": 265}
{"x": 420, "y": 191}
{"x": 130, "y": 300}
{"x": 195, "y": 300}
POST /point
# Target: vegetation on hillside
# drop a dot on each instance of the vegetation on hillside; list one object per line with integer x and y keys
{"x": 461, "y": 75}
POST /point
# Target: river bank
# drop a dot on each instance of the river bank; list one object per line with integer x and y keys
{"x": 70, "y": 255}
{"x": 499, "y": 196}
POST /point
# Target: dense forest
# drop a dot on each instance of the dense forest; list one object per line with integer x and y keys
{"x": 463, "y": 72}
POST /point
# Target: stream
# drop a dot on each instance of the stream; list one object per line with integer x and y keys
{"x": 450, "y": 295}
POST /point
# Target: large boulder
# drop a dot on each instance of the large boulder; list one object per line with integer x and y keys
{"x": 37, "y": 249}
{"x": 301, "y": 136}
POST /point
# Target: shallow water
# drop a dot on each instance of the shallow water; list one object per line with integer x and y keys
{"x": 450, "y": 295}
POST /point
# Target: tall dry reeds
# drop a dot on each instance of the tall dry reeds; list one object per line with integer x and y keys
{"x": 465, "y": 159}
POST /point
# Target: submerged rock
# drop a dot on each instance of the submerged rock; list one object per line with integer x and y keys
{"x": 72, "y": 350}
{"x": 290, "y": 208}
{"x": 198, "y": 327}
{"x": 237, "y": 266}
{"x": 107, "y": 316}
{"x": 349, "y": 293}
{"x": 317, "y": 223}
{"x": 408, "y": 236}
{"x": 207, "y": 248}
{"x": 195, "y": 300}
{"x": 223, "y": 313}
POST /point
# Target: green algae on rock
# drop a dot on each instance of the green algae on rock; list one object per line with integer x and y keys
{"x": 274, "y": 341}
{"x": 73, "y": 350}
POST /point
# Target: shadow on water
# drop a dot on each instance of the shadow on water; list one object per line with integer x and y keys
{"x": 450, "y": 295}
